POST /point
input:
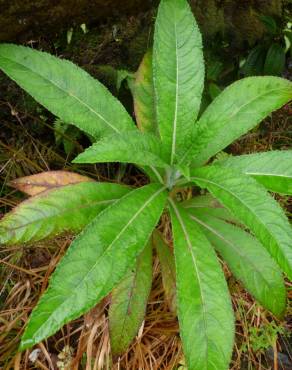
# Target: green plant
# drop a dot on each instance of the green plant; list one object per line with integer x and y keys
{"x": 268, "y": 58}
{"x": 66, "y": 135}
{"x": 238, "y": 217}
{"x": 265, "y": 336}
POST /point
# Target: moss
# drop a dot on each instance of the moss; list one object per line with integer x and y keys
{"x": 237, "y": 20}
{"x": 23, "y": 19}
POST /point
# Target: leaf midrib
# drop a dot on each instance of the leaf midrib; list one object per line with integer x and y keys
{"x": 267, "y": 174}
{"x": 173, "y": 145}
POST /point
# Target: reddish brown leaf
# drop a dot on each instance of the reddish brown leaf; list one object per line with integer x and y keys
{"x": 40, "y": 182}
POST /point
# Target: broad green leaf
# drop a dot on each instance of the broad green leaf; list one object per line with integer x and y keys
{"x": 35, "y": 184}
{"x": 275, "y": 60}
{"x": 270, "y": 24}
{"x": 208, "y": 204}
{"x": 96, "y": 261}
{"x": 203, "y": 302}
{"x": 247, "y": 259}
{"x": 143, "y": 95}
{"x": 129, "y": 301}
{"x": 214, "y": 90}
{"x": 167, "y": 265}
{"x": 68, "y": 208}
{"x": 238, "y": 109}
{"x": 66, "y": 90}
{"x": 248, "y": 201}
{"x": 67, "y": 136}
{"x": 178, "y": 73}
{"x": 131, "y": 147}
{"x": 272, "y": 169}
{"x": 254, "y": 64}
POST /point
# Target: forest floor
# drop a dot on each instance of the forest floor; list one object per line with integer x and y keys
{"x": 28, "y": 145}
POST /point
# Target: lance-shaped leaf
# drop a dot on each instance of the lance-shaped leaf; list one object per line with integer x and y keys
{"x": 247, "y": 259}
{"x": 66, "y": 90}
{"x": 143, "y": 95}
{"x": 208, "y": 204}
{"x": 35, "y": 184}
{"x": 129, "y": 301}
{"x": 272, "y": 169}
{"x": 96, "y": 261}
{"x": 167, "y": 265}
{"x": 203, "y": 302}
{"x": 178, "y": 73}
{"x": 253, "y": 206}
{"x": 68, "y": 208}
{"x": 131, "y": 147}
{"x": 238, "y": 109}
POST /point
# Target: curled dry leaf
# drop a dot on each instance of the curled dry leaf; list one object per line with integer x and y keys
{"x": 35, "y": 184}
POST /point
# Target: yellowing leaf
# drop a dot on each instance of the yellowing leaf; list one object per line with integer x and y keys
{"x": 143, "y": 94}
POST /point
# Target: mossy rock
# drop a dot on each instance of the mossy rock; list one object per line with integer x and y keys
{"x": 236, "y": 20}
{"x": 24, "y": 19}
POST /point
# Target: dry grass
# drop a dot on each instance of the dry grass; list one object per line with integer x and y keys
{"x": 84, "y": 343}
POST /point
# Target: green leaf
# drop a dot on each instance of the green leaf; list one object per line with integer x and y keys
{"x": 178, "y": 73}
{"x": 253, "y": 206}
{"x": 143, "y": 95}
{"x": 204, "y": 308}
{"x": 214, "y": 68}
{"x": 129, "y": 301}
{"x": 214, "y": 90}
{"x": 247, "y": 259}
{"x": 167, "y": 265}
{"x": 208, "y": 204}
{"x": 275, "y": 60}
{"x": 66, "y": 135}
{"x": 66, "y": 90}
{"x": 272, "y": 169}
{"x": 270, "y": 24}
{"x": 68, "y": 208}
{"x": 239, "y": 108}
{"x": 254, "y": 64}
{"x": 96, "y": 261}
{"x": 130, "y": 147}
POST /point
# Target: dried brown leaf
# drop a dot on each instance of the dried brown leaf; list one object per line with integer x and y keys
{"x": 40, "y": 182}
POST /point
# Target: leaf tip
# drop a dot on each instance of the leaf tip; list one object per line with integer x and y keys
{"x": 77, "y": 159}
